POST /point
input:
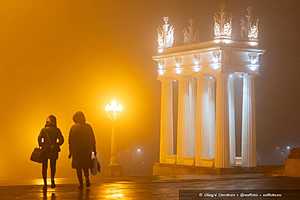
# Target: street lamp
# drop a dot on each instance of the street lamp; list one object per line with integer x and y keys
{"x": 113, "y": 110}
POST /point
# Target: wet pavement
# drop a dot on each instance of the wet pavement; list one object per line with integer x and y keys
{"x": 163, "y": 188}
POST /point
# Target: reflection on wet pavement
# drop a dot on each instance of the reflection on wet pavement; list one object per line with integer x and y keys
{"x": 145, "y": 189}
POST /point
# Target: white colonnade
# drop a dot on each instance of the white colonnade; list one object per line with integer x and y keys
{"x": 206, "y": 134}
{"x": 208, "y": 118}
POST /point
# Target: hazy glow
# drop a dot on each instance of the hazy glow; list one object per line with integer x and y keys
{"x": 216, "y": 57}
{"x": 178, "y": 70}
{"x": 196, "y": 59}
{"x": 196, "y": 68}
{"x": 253, "y": 67}
{"x": 160, "y": 66}
{"x": 225, "y": 41}
{"x": 252, "y": 43}
{"x": 114, "y": 106}
{"x": 216, "y": 66}
{"x": 113, "y": 109}
{"x": 161, "y": 72}
{"x": 254, "y": 61}
{"x": 139, "y": 150}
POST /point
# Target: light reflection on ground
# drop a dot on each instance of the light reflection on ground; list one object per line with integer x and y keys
{"x": 39, "y": 181}
{"x": 114, "y": 191}
{"x": 145, "y": 189}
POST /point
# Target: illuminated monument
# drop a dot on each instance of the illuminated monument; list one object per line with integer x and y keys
{"x": 198, "y": 92}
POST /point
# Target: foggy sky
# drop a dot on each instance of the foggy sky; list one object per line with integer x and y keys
{"x": 61, "y": 56}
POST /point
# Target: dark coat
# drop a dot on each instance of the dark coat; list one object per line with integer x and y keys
{"x": 50, "y": 139}
{"x": 81, "y": 145}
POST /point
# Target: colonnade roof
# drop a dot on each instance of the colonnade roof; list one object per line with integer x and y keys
{"x": 210, "y": 57}
{"x": 208, "y": 46}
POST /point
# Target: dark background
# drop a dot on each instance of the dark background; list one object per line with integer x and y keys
{"x": 61, "y": 56}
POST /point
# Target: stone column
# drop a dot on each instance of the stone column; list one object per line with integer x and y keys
{"x": 222, "y": 135}
{"x": 191, "y": 115}
{"x": 231, "y": 112}
{"x": 211, "y": 115}
{"x": 166, "y": 124}
{"x": 209, "y": 119}
{"x": 182, "y": 126}
{"x": 248, "y": 123}
{"x": 199, "y": 120}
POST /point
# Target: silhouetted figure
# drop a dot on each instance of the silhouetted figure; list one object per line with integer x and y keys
{"x": 81, "y": 145}
{"x": 50, "y": 140}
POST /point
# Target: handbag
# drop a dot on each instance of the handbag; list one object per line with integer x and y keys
{"x": 38, "y": 155}
{"x": 96, "y": 168}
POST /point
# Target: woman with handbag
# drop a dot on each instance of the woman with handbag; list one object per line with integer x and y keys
{"x": 50, "y": 140}
{"x": 82, "y": 145}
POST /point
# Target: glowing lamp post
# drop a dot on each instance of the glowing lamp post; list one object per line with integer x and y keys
{"x": 113, "y": 110}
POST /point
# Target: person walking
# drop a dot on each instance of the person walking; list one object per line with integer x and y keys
{"x": 50, "y": 139}
{"x": 82, "y": 145}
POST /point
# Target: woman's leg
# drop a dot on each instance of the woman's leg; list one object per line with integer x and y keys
{"x": 53, "y": 171}
{"x": 44, "y": 171}
{"x": 79, "y": 176}
{"x": 87, "y": 177}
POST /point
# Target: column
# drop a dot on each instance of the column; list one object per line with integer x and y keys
{"x": 222, "y": 135}
{"x": 199, "y": 120}
{"x": 166, "y": 124}
{"x": 248, "y": 123}
{"x": 211, "y": 117}
{"x": 191, "y": 115}
{"x": 231, "y": 112}
{"x": 182, "y": 126}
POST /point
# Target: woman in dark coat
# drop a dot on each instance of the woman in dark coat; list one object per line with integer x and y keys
{"x": 50, "y": 139}
{"x": 81, "y": 145}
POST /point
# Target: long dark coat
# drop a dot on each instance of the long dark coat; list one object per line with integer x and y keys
{"x": 81, "y": 145}
{"x": 50, "y": 139}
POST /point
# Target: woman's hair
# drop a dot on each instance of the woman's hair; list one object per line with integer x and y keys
{"x": 51, "y": 121}
{"x": 79, "y": 118}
